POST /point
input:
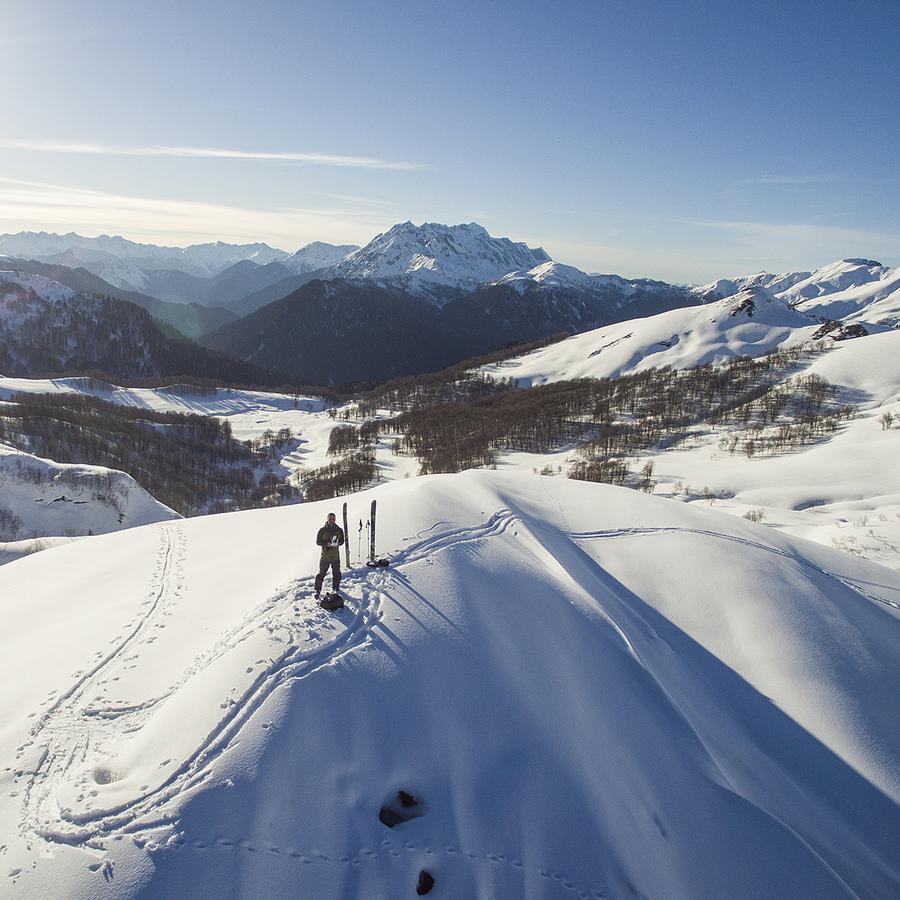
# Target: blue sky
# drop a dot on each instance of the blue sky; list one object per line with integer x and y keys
{"x": 680, "y": 140}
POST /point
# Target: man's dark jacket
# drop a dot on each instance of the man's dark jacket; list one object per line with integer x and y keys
{"x": 326, "y": 540}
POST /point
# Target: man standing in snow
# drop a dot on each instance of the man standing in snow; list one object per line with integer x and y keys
{"x": 330, "y": 538}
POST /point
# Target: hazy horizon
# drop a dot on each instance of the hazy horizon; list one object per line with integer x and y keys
{"x": 182, "y": 245}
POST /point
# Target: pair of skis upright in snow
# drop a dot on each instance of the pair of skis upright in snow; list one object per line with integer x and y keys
{"x": 371, "y": 534}
{"x": 372, "y": 562}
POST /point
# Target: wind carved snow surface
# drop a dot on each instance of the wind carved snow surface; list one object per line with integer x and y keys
{"x": 581, "y": 709}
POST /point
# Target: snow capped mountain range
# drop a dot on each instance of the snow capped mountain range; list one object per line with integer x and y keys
{"x": 842, "y": 275}
{"x": 848, "y": 289}
{"x": 123, "y": 262}
{"x": 432, "y": 260}
{"x": 552, "y": 274}
{"x": 317, "y": 255}
{"x": 751, "y": 322}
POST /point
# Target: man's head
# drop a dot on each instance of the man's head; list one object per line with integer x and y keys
{"x": 330, "y": 519}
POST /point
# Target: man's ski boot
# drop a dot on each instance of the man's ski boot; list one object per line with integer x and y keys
{"x": 331, "y": 601}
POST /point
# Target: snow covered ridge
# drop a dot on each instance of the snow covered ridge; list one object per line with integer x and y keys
{"x": 752, "y": 322}
{"x": 556, "y": 275}
{"x": 197, "y": 259}
{"x": 19, "y": 291}
{"x": 854, "y": 290}
{"x": 136, "y": 267}
{"x": 541, "y": 653}
{"x": 427, "y": 259}
{"x": 40, "y": 498}
{"x": 317, "y": 255}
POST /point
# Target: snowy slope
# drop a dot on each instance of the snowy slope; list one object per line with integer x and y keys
{"x": 580, "y": 709}
{"x": 552, "y": 274}
{"x": 39, "y": 497}
{"x": 250, "y": 413}
{"x": 872, "y": 301}
{"x": 750, "y": 323}
{"x": 430, "y": 259}
{"x": 853, "y": 290}
{"x": 121, "y": 273}
{"x": 47, "y": 327}
{"x": 317, "y": 255}
{"x": 835, "y": 277}
{"x": 17, "y": 290}
{"x": 842, "y": 492}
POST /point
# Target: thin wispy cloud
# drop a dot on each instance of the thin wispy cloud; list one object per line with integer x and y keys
{"x": 162, "y": 150}
{"x": 42, "y": 206}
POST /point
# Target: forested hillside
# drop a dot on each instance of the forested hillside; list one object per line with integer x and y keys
{"x": 47, "y": 328}
{"x": 191, "y": 463}
{"x": 346, "y": 333}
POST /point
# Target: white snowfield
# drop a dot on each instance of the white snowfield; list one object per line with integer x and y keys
{"x": 843, "y": 491}
{"x": 851, "y": 290}
{"x": 250, "y": 413}
{"x": 62, "y": 499}
{"x": 580, "y": 709}
{"x": 751, "y": 323}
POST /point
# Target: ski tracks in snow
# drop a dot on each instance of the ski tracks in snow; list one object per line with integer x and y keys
{"x": 73, "y": 725}
{"x": 82, "y": 725}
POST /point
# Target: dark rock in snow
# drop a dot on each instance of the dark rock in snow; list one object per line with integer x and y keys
{"x": 426, "y": 883}
{"x": 400, "y": 809}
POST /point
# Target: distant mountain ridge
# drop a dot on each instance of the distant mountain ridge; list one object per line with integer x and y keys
{"x": 436, "y": 261}
{"x": 477, "y": 293}
{"x": 317, "y": 255}
{"x": 98, "y": 252}
{"x": 345, "y": 332}
{"x": 852, "y": 289}
{"x": 47, "y": 328}
{"x": 191, "y": 319}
